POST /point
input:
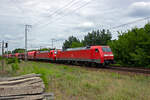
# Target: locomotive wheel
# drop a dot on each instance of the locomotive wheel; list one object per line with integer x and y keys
{"x": 87, "y": 64}
{"x": 94, "y": 64}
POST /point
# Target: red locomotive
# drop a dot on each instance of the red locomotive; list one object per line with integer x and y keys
{"x": 91, "y": 54}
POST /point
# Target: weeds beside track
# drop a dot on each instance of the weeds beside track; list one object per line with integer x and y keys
{"x": 69, "y": 82}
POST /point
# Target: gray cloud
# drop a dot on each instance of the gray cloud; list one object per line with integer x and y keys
{"x": 140, "y": 9}
{"x": 98, "y": 14}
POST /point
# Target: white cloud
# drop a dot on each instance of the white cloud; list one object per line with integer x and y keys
{"x": 139, "y": 9}
{"x": 86, "y": 24}
{"x": 141, "y": 4}
{"x": 96, "y": 15}
{"x": 87, "y": 0}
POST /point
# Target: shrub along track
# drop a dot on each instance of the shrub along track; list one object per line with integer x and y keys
{"x": 116, "y": 69}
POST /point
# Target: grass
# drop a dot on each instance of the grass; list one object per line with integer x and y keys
{"x": 75, "y": 83}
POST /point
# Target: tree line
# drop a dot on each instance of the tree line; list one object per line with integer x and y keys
{"x": 99, "y": 37}
{"x": 132, "y": 48}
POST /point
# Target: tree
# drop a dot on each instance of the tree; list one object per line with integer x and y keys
{"x": 19, "y": 50}
{"x": 44, "y": 49}
{"x": 132, "y": 47}
{"x": 72, "y": 42}
{"x": 32, "y": 50}
{"x": 99, "y": 37}
{"x": 76, "y": 44}
{"x": 9, "y": 52}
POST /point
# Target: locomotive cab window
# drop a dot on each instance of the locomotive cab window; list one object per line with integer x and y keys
{"x": 105, "y": 49}
{"x": 96, "y": 50}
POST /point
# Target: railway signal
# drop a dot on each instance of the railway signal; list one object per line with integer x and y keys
{"x": 6, "y": 45}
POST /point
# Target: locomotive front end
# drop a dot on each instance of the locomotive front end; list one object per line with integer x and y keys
{"x": 108, "y": 56}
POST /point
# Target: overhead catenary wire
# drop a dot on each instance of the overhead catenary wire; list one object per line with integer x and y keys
{"x": 126, "y": 24}
{"x": 59, "y": 11}
{"x": 122, "y": 25}
{"x": 18, "y": 7}
{"x": 71, "y": 6}
{"x": 74, "y": 10}
{"x": 132, "y": 22}
{"x": 55, "y": 12}
{"x": 129, "y": 23}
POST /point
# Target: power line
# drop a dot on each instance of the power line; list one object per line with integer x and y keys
{"x": 132, "y": 22}
{"x": 116, "y": 27}
{"x": 126, "y": 24}
{"x": 54, "y": 12}
{"x": 122, "y": 25}
{"x": 18, "y": 7}
{"x": 73, "y": 10}
{"x": 72, "y": 3}
{"x": 66, "y": 15}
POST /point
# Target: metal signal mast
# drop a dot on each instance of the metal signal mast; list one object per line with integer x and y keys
{"x": 26, "y": 43}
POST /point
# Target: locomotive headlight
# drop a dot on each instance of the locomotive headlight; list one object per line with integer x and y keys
{"x": 111, "y": 55}
{"x": 105, "y": 55}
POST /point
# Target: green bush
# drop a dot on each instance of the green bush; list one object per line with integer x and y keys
{"x": 13, "y": 60}
{"x": 10, "y": 60}
{"x": 0, "y": 57}
{"x": 44, "y": 74}
{"x": 132, "y": 47}
{"x": 0, "y": 67}
{"x": 15, "y": 67}
{"x": 148, "y": 66}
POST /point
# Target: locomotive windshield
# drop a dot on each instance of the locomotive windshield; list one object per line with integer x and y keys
{"x": 106, "y": 49}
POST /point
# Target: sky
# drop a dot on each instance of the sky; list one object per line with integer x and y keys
{"x": 59, "y": 19}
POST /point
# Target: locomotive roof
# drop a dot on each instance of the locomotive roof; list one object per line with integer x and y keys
{"x": 44, "y": 51}
{"x": 84, "y": 48}
{"x": 81, "y": 48}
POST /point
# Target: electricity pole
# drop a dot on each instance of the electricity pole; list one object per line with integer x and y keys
{"x": 40, "y": 47}
{"x": 26, "y": 43}
{"x": 52, "y": 43}
{"x": 2, "y": 55}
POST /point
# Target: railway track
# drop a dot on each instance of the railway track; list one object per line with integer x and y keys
{"x": 121, "y": 70}
{"x": 138, "y": 70}
{"x": 143, "y": 71}
{"x": 124, "y": 70}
